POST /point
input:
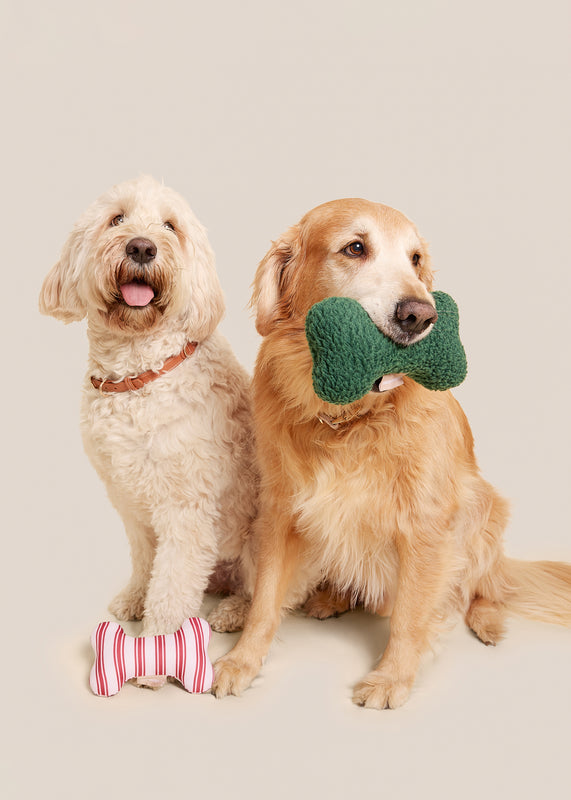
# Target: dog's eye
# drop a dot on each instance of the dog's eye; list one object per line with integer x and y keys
{"x": 354, "y": 250}
{"x": 169, "y": 226}
{"x": 117, "y": 220}
{"x": 416, "y": 259}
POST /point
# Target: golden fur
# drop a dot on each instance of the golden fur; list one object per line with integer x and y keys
{"x": 389, "y": 509}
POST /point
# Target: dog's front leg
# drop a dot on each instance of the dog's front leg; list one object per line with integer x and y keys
{"x": 130, "y": 603}
{"x": 183, "y": 562}
{"x": 185, "y": 557}
{"x": 279, "y": 553}
{"x": 421, "y": 589}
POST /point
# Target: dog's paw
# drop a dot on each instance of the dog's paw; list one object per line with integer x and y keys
{"x": 129, "y": 604}
{"x": 323, "y": 604}
{"x": 232, "y": 677}
{"x": 381, "y": 690}
{"x": 229, "y": 615}
{"x": 152, "y": 681}
{"x": 487, "y": 620}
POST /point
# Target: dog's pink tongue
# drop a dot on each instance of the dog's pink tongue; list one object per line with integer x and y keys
{"x": 137, "y": 294}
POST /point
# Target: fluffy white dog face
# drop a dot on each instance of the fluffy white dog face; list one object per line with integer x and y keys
{"x": 136, "y": 258}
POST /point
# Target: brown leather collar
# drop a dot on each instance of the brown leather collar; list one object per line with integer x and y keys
{"x": 132, "y": 384}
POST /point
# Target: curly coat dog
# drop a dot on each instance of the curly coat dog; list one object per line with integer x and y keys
{"x": 173, "y": 447}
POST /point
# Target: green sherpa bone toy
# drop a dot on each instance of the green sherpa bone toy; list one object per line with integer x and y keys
{"x": 350, "y": 353}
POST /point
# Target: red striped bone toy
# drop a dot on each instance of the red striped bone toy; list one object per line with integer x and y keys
{"x": 181, "y": 655}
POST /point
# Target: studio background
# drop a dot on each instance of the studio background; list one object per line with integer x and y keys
{"x": 455, "y": 113}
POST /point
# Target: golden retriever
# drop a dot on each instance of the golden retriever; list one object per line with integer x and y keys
{"x": 380, "y": 502}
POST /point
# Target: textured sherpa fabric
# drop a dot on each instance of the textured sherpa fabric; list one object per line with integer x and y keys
{"x": 350, "y": 353}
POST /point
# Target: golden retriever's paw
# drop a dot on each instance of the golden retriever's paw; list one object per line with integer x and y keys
{"x": 232, "y": 677}
{"x": 486, "y": 619}
{"x": 229, "y": 615}
{"x": 152, "y": 681}
{"x": 323, "y": 604}
{"x": 380, "y": 690}
{"x": 129, "y": 604}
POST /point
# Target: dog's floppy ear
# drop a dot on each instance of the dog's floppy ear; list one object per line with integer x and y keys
{"x": 274, "y": 280}
{"x": 59, "y": 296}
{"x": 204, "y": 298}
{"x": 199, "y": 295}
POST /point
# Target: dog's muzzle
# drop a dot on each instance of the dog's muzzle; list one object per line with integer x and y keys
{"x": 414, "y": 316}
{"x": 141, "y": 250}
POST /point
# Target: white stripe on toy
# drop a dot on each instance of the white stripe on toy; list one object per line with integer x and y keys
{"x": 181, "y": 655}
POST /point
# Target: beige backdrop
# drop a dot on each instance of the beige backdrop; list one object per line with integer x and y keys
{"x": 457, "y": 114}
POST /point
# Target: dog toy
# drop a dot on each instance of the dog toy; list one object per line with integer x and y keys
{"x": 181, "y": 655}
{"x": 350, "y": 354}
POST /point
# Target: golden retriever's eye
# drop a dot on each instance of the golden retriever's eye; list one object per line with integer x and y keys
{"x": 117, "y": 220}
{"x": 416, "y": 259}
{"x": 169, "y": 226}
{"x": 354, "y": 250}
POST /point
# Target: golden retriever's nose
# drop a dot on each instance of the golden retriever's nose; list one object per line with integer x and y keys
{"x": 141, "y": 250}
{"x": 414, "y": 316}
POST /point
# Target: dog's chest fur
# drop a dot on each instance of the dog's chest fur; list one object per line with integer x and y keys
{"x": 162, "y": 444}
{"x": 128, "y": 436}
{"x": 350, "y": 516}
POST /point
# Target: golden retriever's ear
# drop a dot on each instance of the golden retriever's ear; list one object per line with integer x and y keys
{"x": 59, "y": 296}
{"x": 272, "y": 284}
{"x": 426, "y": 273}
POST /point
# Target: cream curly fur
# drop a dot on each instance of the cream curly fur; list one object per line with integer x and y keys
{"x": 177, "y": 455}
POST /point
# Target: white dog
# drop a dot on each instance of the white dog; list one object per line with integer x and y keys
{"x": 166, "y": 410}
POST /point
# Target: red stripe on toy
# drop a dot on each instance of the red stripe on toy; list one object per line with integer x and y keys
{"x": 200, "y": 635}
{"x": 101, "y": 674}
{"x": 117, "y": 657}
{"x": 97, "y": 668}
{"x": 183, "y": 672}
{"x": 191, "y": 620}
{"x": 161, "y": 667}
{"x": 178, "y": 658}
{"x": 121, "y": 654}
{"x": 199, "y": 648}
{"x": 97, "y": 657}
{"x": 202, "y": 656}
{"x": 136, "y": 659}
{"x": 180, "y": 654}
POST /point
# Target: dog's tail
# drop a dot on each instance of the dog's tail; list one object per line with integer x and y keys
{"x": 538, "y": 589}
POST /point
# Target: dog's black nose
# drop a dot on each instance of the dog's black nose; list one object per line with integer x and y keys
{"x": 414, "y": 316}
{"x": 141, "y": 250}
